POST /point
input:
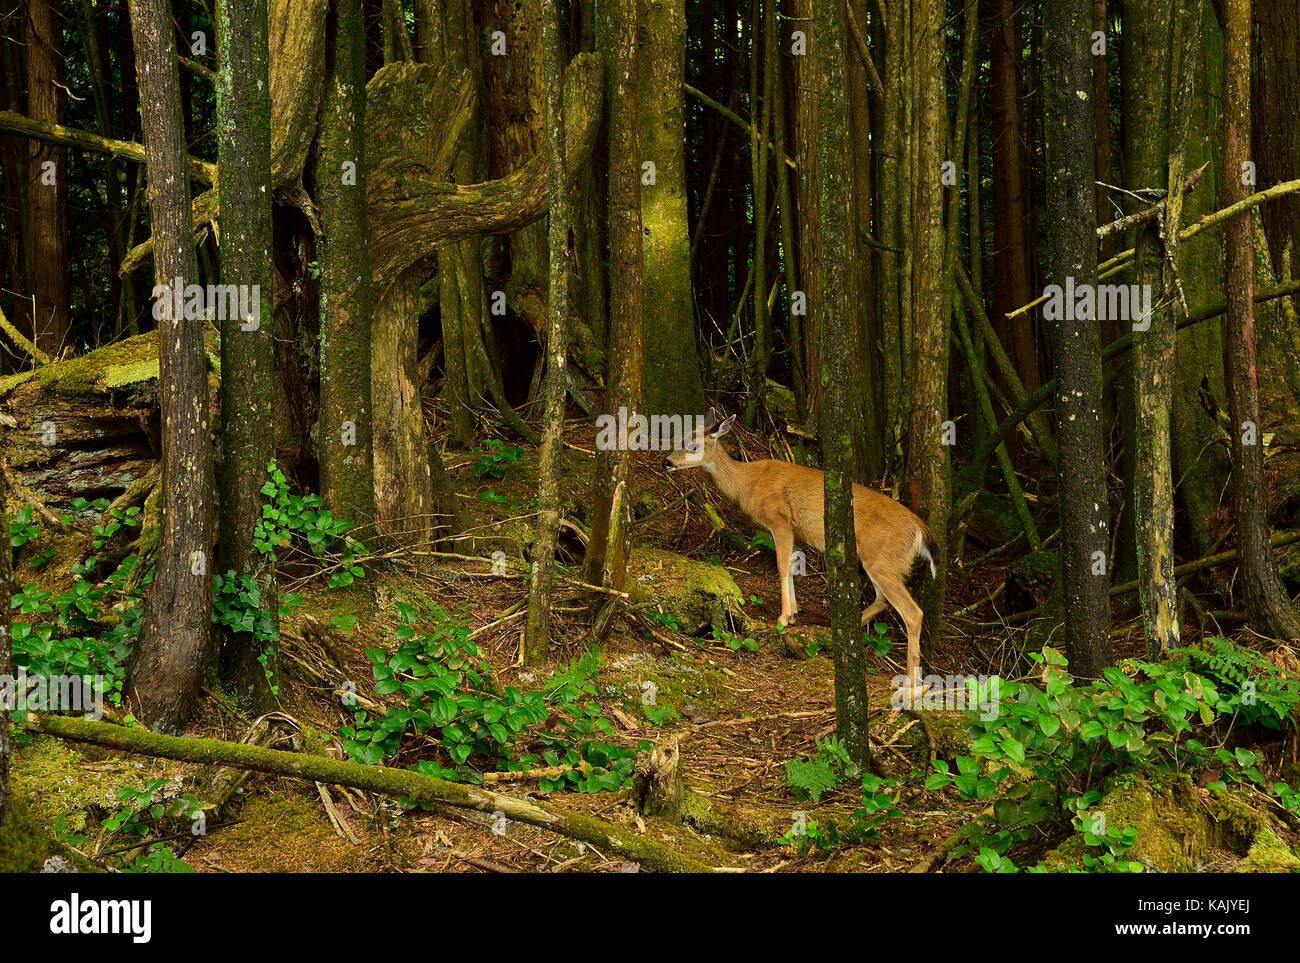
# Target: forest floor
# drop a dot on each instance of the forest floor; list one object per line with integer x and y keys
{"x": 741, "y": 715}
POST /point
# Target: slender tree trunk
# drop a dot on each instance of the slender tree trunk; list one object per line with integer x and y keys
{"x": 672, "y": 372}
{"x": 344, "y": 427}
{"x": 174, "y": 647}
{"x": 1147, "y": 29}
{"x": 6, "y": 641}
{"x": 606, "y": 560}
{"x": 1266, "y": 601}
{"x": 805, "y": 129}
{"x": 838, "y": 413}
{"x": 537, "y": 633}
{"x": 928, "y": 468}
{"x": 1072, "y": 252}
{"x": 13, "y": 168}
{"x": 1010, "y": 244}
{"x": 247, "y": 348}
{"x": 47, "y": 179}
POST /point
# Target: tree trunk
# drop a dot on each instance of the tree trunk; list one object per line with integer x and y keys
{"x": 1010, "y": 245}
{"x": 672, "y": 372}
{"x": 839, "y": 423}
{"x": 174, "y": 647}
{"x": 606, "y": 561}
{"x": 247, "y": 346}
{"x": 344, "y": 428}
{"x": 6, "y": 642}
{"x": 1147, "y": 28}
{"x": 537, "y": 634}
{"x": 47, "y": 179}
{"x": 927, "y": 454}
{"x": 1072, "y": 252}
{"x": 1266, "y": 600}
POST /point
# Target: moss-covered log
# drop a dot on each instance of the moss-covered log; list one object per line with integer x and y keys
{"x": 391, "y": 782}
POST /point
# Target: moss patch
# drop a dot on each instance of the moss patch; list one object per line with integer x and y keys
{"x": 699, "y": 595}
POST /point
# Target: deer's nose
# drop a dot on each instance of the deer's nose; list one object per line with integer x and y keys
{"x": 667, "y": 463}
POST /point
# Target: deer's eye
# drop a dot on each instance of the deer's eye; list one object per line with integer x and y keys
{"x": 692, "y": 446}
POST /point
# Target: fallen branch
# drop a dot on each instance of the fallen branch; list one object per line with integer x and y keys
{"x": 380, "y": 779}
{"x": 43, "y": 130}
{"x": 1141, "y": 217}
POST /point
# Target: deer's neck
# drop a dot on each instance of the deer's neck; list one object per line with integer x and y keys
{"x": 732, "y": 477}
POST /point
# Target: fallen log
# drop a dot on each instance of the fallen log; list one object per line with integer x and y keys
{"x": 606, "y": 836}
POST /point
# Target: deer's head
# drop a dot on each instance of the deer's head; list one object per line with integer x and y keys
{"x": 700, "y": 447}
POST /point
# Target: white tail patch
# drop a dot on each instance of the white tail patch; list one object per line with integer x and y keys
{"x": 922, "y": 550}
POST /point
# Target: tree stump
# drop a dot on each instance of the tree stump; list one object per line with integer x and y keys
{"x": 657, "y": 782}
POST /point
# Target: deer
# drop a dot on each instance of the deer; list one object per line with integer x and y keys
{"x": 789, "y": 501}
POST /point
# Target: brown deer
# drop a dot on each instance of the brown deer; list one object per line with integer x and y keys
{"x": 789, "y": 501}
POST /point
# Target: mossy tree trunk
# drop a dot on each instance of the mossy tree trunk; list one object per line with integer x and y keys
{"x": 537, "y": 633}
{"x": 839, "y": 415}
{"x": 247, "y": 346}
{"x": 344, "y": 427}
{"x": 1266, "y": 601}
{"x": 174, "y": 647}
{"x": 672, "y": 373}
{"x": 606, "y": 560}
{"x": 6, "y": 642}
{"x": 927, "y": 453}
{"x": 1072, "y": 252}
{"x": 1147, "y": 59}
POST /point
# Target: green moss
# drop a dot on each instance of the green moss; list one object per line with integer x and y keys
{"x": 24, "y": 846}
{"x": 132, "y": 363}
{"x": 676, "y": 683}
{"x": 699, "y": 595}
{"x": 1269, "y": 855}
{"x": 1179, "y": 830}
{"x": 741, "y": 828}
{"x": 60, "y": 786}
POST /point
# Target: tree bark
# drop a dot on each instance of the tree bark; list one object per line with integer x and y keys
{"x": 1072, "y": 252}
{"x": 174, "y": 647}
{"x": 1266, "y": 601}
{"x": 672, "y": 373}
{"x": 1148, "y": 25}
{"x": 606, "y": 561}
{"x": 247, "y": 347}
{"x": 47, "y": 179}
{"x": 344, "y": 428}
{"x": 839, "y": 422}
{"x": 928, "y": 467}
{"x": 537, "y": 633}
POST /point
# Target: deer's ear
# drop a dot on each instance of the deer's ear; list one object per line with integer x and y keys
{"x": 723, "y": 428}
{"x": 712, "y": 419}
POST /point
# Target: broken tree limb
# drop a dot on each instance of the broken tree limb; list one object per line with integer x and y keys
{"x": 734, "y": 117}
{"x": 380, "y": 779}
{"x": 1122, "y": 260}
{"x": 43, "y": 130}
{"x": 1038, "y": 424}
{"x": 21, "y": 341}
{"x": 1141, "y": 217}
{"x": 975, "y": 467}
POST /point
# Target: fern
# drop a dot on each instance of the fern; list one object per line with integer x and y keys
{"x": 1251, "y": 686}
{"x": 820, "y": 773}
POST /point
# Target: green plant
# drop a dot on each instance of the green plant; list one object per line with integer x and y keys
{"x": 1046, "y": 753}
{"x": 733, "y": 641}
{"x": 821, "y": 772}
{"x": 878, "y": 805}
{"x": 495, "y": 456}
{"x": 301, "y": 525}
{"x": 455, "y": 708}
{"x": 877, "y": 638}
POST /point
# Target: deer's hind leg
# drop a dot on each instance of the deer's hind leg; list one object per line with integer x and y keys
{"x": 903, "y": 603}
{"x": 876, "y": 607}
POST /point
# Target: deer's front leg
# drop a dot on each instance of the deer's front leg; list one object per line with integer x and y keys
{"x": 783, "y": 538}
